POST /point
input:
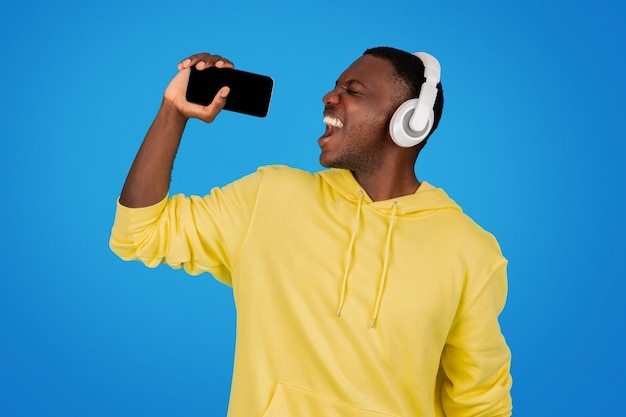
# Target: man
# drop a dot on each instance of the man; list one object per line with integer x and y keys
{"x": 359, "y": 290}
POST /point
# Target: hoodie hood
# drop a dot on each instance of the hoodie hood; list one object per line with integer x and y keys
{"x": 425, "y": 198}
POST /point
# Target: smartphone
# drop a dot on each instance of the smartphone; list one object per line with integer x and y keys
{"x": 249, "y": 93}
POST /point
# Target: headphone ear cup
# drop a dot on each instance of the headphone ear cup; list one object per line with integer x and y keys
{"x": 401, "y": 131}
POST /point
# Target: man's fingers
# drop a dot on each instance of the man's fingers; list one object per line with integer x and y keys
{"x": 185, "y": 63}
{"x": 224, "y": 63}
{"x": 216, "y": 106}
{"x": 205, "y": 60}
{"x": 224, "y": 92}
{"x": 209, "y": 113}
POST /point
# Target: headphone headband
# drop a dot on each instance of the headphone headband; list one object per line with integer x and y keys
{"x": 428, "y": 92}
{"x": 432, "y": 69}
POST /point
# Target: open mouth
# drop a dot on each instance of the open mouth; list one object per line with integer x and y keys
{"x": 333, "y": 124}
{"x": 332, "y": 121}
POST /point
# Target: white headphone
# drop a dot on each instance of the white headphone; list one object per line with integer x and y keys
{"x": 413, "y": 120}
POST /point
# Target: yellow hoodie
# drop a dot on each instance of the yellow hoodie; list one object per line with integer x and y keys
{"x": 345, "y": 306}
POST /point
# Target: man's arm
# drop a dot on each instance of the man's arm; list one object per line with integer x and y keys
{"x": 476, "y": 358}
{"x": 148, "y": 181}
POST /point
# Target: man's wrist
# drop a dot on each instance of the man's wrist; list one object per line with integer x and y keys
{"x": 171, "y": 112}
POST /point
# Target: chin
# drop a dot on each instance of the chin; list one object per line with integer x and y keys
{"x": 325, "y": 162}
{"x": 328, "y": 164}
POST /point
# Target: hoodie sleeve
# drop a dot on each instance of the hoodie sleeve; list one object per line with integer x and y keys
{"x": 199, "y": 234}
{"x": 476, "y": 359}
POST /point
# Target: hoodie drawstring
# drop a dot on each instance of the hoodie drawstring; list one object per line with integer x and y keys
{"x": 383, "y": 277}
{"x": 348, "y": 262}
{"x": 355, "y": 227}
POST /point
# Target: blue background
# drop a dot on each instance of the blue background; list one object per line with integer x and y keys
{"x": 531, "y": 145}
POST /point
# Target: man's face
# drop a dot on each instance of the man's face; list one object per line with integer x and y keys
{"x": 357, "y": 113}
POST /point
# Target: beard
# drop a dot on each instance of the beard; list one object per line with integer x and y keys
{"x": 362, "y": 148}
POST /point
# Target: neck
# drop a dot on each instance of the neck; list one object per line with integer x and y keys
{"x": 387, "y": 185}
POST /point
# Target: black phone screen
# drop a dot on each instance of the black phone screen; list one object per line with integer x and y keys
{"x": 249, "y": 93}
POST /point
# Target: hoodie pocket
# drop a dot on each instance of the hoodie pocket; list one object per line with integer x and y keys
{"x": 290, "y": 401}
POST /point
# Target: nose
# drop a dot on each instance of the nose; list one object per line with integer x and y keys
{"x": 332, "y": 97}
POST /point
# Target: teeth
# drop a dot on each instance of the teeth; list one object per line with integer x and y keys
{"x": 333, "y": 121}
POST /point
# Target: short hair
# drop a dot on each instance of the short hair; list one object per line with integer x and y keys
{"x": 410, "y": 69}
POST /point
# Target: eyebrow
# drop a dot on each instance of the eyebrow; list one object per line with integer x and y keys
{"x": 353, "y": 81}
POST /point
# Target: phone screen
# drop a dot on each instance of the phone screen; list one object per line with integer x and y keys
{"x": 249, "y": 93}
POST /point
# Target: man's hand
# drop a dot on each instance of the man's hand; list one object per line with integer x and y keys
{"x": 175, "y": 92}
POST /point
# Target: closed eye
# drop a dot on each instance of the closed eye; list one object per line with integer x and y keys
{"x": 347, "y": 88}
